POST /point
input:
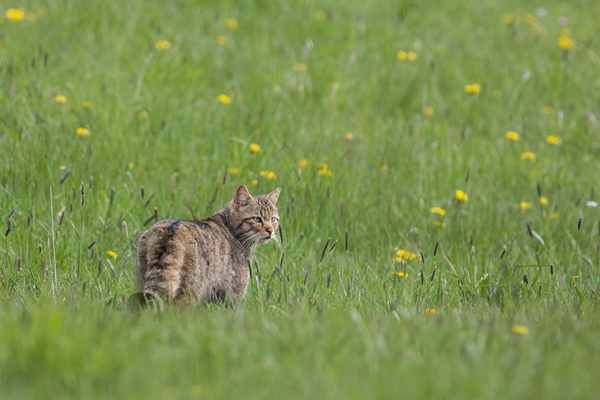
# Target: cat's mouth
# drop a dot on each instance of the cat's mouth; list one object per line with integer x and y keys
{"x": 266, "y": 238}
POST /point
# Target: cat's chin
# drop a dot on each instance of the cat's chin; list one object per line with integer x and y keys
{"x": 265, "y": 239}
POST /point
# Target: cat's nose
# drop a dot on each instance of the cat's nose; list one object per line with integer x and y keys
{"x": 270, "y": 230}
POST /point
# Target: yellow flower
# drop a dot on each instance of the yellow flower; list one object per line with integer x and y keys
{"x": 439, "y": 224}
{"x": 254, "y": 148}
{"x": 383, "y": 167}
{"x": 61, "y": 99}
{"x": 86, "y": 104}
{"x": 131, "y": 165}
{"x": 411, "y": 56}
{"x": 428, "y": 111}
{"x": 234, "y": 171}
{"x": 429, "y": 311}
{"x": 224, "y": 99}
{"x": 271, "y": 175}
{"x": 303, "y": 163}
{"x": 300, "y": 67}
{"x": 437, "y": 210}
{"x": 403, "y": 256}
{"x": 509, "y": 19}
{"x": 263, "y": 172}
{"x": 221, "y": 40}
{"x": 401, "y": 55}
{"x": 400, "y": 274}
{"x": 553, "y": 140}
{"x": 349, "y": 136}
{"x": 325, "y": 171}
{"x": 575, "y": 277}
{"x": 520, "y": 329}
{"x": 112, "y": 254}
{"x": 321, "y": 15}
{"x": 461, "y": 196}
{"x": 543, "y": 200}
{"x": 472, "y": 88}
{"x": 83, "y": 132}
{"x": 566, "y": 43}
{"x": 31, "y": 17}
{"x": 525, "y": 205}
{"x": 529, "y": 19}
{"x": 547, "y": 110}
{"x": 255, "y": 182}
{"x": 528, "y": 156}
{"x": 163, "y": 45}
{"x": 510, "y": 135}
{"x": 497, "y": 93}
{"x": 15, "y": 14}
{"x": 232, "y": 24}
{"x": 554, "y": 215}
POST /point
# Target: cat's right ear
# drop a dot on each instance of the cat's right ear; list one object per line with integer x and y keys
{"x": 242, "y": 198}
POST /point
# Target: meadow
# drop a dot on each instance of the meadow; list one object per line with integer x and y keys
{"x": 438, "y": 163}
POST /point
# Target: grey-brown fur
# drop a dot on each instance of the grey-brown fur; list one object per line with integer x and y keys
{"x": 206, "y": 260}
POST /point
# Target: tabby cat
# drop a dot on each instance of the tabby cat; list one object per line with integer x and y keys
{"x": 206, "y": 260}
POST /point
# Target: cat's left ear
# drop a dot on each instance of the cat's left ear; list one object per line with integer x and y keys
{"x": 274, "y": 195}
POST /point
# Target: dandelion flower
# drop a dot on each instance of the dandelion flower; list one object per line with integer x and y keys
{"x": 437, "y": 210}
{"x": 131, "y": 165}
{"x": 234, "y": 171}
{"x": 401, "y": 274}
{"x": 472, "y": 88}
{"x": 429, "y": 311}
{"x": 525, "y": 205}
{"x": 86, "y": 104}
{"x": 566, "y": 43}
{"x": 15, "y": 14}
{"x": 528, "y": 156}
{"x": 383, "y": 167}
{"x": 547, "y": 110}
{"x": 222, "y": 40}
{"x": 428, "y": 111}
{"x": 520, "y": 330}
{"x": 554, "y": 215}
{"x": 411, "y": 56}
{"x": 271, "y": 175}
{"x": 543, "y": 200}
{"x": 224, "y": 99}
{"x": 403, "y": 255}
{"x": 254, "y": 148}
{"x": 303, "y": 163}
{"x": 321, "y": 15}
{"x": 163, "y": 45}
{"x": 553, "y": 140}
{"x": 401, "y": 55}
{"x": 510, "y": 135}
{"x": 349, "y": 136}
{"x": 112, "y": 254}
{"x": 461, "y": 196}
{"x": 263, "y": 172}
{"x": 60, "y": 99}
{"x": 530, "y": 19}
{"x": 509, "y": 19}
{"x": 325, "y": 171}
{"x": 83, "y": 132}
{"x": 232, "y": 23}
{"x": 497, "y": 93}
{"x": 300, "y": 67}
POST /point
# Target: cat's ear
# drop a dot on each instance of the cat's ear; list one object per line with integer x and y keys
{"x": 242, "y": 197}
{"x": 274, "y": 195}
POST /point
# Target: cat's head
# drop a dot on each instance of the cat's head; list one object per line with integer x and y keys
{"x": 253, "y": 219}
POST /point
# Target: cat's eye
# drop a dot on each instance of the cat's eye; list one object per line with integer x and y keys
{"x": 273, "y": 219}
{"x": 256, "y": 219}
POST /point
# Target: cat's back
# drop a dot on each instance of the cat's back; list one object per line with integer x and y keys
{"x": 179, "y": 239}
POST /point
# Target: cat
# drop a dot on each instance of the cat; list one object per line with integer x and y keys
{"x": 206, "y": 260}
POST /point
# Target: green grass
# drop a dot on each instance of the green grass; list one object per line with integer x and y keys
{"x": 340, "y": 326}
